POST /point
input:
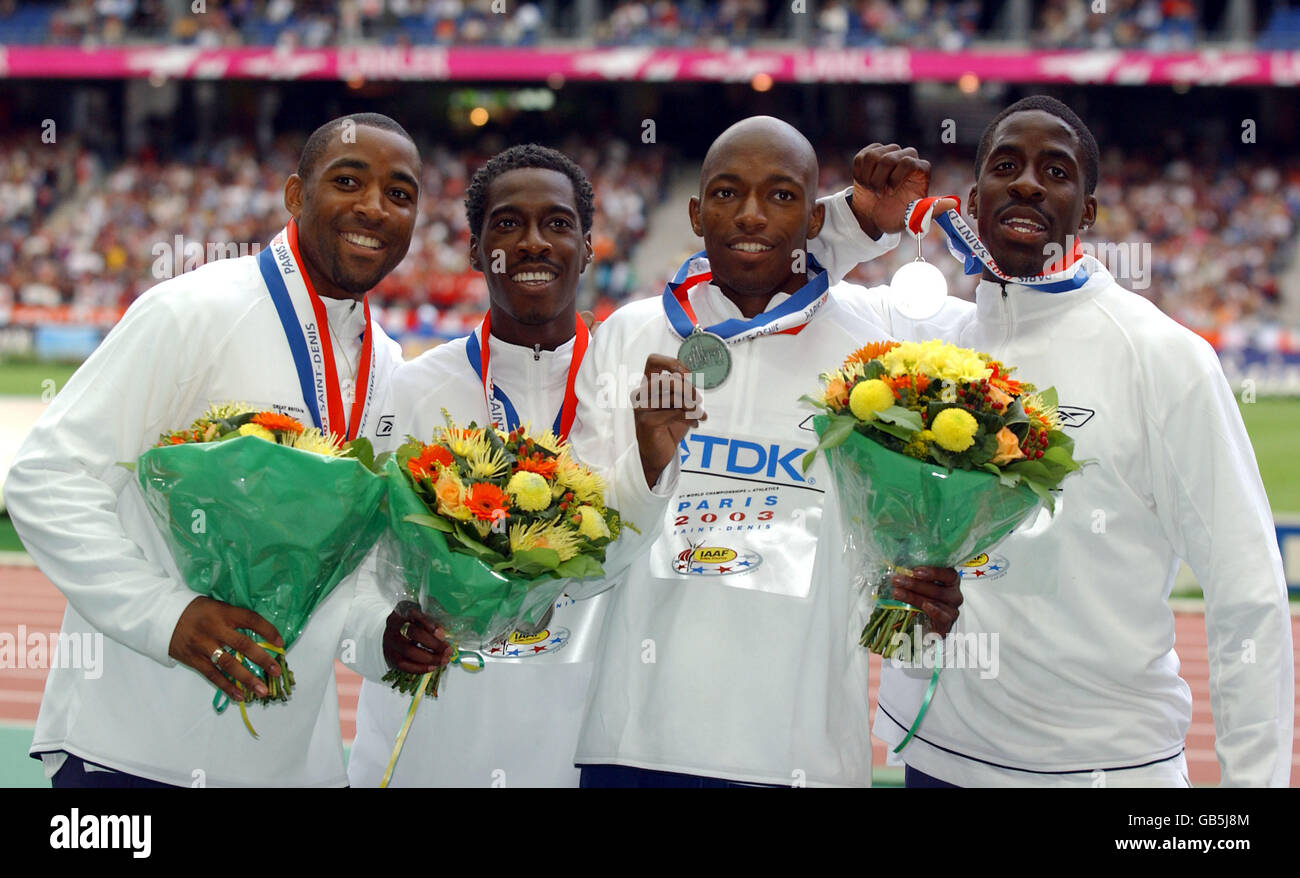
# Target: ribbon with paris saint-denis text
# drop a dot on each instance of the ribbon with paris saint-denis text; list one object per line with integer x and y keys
{"x": 306, "y": 328}
{"x": 787, "y": 318}
{"x": 1068, "y": 273}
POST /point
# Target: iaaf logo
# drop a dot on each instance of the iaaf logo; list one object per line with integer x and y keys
{"x": 722, "y": 455}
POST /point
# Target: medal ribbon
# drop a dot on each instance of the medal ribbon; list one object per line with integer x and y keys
{"x": 308, "y": 336}
{"x": 501, "y": 410}
{"x": 787, "y": 318}
{"x": 1068, "y": 273}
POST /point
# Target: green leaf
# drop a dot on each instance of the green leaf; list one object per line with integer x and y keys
{"x": 127, "y": 464}
{"x": 581, "y": 567}
{"x": 815, "y": 403}
{"x": 470, "y": 540}
{"x": 1048, "y": 397}
{"x": 837, "y": 432}
{"x": 540, "y": 560}
{"x": 430, "y": 521}
{"x": 903, "y": 417}
{"x": 894, "y": 430}
{"x": 364, "y": 452}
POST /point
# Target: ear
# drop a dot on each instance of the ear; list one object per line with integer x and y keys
{"x": 293, "y": 195}
{"x": 972, "y": 203}
{"x": 1089, "y": 212}
{"x": 816, "y": 219}
{"x": 473, "y": 255}
{"x": 587, "y": 253}
{"x": 696, "y": 226}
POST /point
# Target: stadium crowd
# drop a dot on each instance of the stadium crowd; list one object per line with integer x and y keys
{"x": 75, "y": 231}
{"x": 1207, "y": 248}
{"x": 1158, "y": 25}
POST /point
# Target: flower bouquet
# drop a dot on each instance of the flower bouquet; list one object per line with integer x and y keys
{"x": 938, "y": 454}
{"x": 487, "y": 528}
{"x": 264, "y": 514}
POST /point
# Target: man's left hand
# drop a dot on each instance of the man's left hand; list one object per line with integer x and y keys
{"x": 936, "y": 591}
{"x": 886, "y": 179}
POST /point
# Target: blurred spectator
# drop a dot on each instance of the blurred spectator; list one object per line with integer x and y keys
{"x": 1159, "y": 25}
{"x": 75, "y": 233}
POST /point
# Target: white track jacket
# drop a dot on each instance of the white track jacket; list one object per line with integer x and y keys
{"x": 207, "y": 336}
{"x": 1087, "y": 690}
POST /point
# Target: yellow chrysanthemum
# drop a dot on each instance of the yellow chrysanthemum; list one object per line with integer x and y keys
{"x": 316, "y": 442}
{"x": 593, "y": 525}
{"x": 954, "y": 429}
{"x": 587, "y": 487}
{"x": 938, "y": 359}
{"x": 869, "y": 397}
{"x": 259, "y": 432}
{"x": 224, "y": 411}
{"x": 1037, "y": 409}
{"x": 531, "y": 492}
{"x": 486, "y": 462}
{"x": 469, "y": 444}
{"x": 544, "y": 535}
{"x": 549, "y": 441}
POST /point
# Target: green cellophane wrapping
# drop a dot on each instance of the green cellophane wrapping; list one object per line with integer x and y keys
{"x": 279, "y": 527}
{"x": 898, "y": 511}
{"x": 474, "y": 604}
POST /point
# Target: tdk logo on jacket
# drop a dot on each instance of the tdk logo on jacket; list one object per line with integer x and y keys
{"x": 732, "y": 456}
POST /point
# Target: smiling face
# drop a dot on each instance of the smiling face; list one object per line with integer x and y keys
{"x": 356, "y": 213}
{"x": 1031, "y": 192}
{"x": 530, "y": 216}
{"x": 755, "y": 208}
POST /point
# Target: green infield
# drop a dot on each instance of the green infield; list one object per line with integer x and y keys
{"x": 23, "y": 377}
{"x": 9, "y": 541}
{"x": 1272, "y": 424}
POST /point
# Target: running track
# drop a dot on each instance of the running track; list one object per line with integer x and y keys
{"x": 28, "y": 598}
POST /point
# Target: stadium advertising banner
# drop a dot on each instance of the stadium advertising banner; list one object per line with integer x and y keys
{"x": 1117, "y": 67}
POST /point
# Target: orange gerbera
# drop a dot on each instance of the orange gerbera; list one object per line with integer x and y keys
{"x": 870, "y": 352}
{"x": 277, "y": 423}
{"x": 543, "y": 466}
{"x": 1002, "y": 382}
{"x": 487, "y": 502}
{"x": 424, "y": 466}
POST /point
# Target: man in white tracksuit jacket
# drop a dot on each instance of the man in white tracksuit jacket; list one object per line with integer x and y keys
{"x": 1088, "y": 692}
{"x": 730, "y": 654}
{"x": 212, "y": 335}
{"x": 516, "y": 724}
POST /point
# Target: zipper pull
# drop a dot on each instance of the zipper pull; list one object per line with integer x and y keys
{"x": 537, "y": 352}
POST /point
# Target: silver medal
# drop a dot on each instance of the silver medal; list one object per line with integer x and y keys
{"x": 706, "y": 355}
{"x": 920, "y": 287}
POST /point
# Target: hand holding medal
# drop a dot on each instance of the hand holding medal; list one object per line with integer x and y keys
{"x": 665, "y": 407}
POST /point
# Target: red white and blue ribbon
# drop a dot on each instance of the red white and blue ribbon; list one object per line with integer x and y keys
{"x": 787, "y": 318}
{"x": 306, "y": 328}
{"x": 1068, "y": 273}
{"x": 501, "y": 410}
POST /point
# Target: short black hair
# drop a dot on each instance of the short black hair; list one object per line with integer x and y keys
{"x": 320, "y": 138}
{"x": 528, "y": 155}
{"x": 1091, "y": 157}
